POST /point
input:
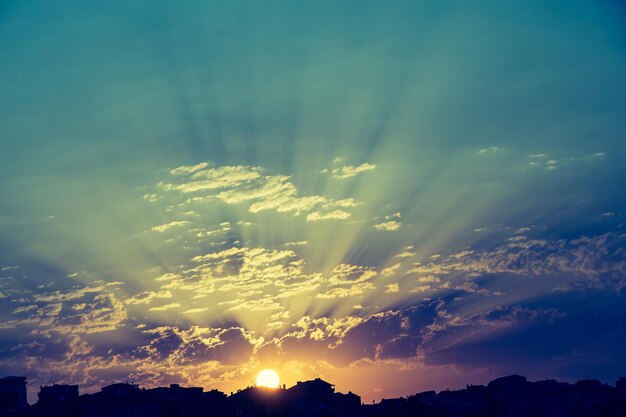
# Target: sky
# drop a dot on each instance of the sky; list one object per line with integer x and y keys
{"x": 393, "y": 196}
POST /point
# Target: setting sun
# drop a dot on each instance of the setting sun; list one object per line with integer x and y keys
{"x": 267, "y": 378}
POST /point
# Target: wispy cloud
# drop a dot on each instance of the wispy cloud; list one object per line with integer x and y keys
{"x": 593, "y": 258}
{"x": 392, "y": 288}
{"x": 188, "y": 169}
{"x": 349, "y": 171}
{"x": 348, "y": 291}
{"x": 147, "y": 297}
{"x": 391, "y": 223}
{"x": 165, "y": 307}
{"x": 488, "y": 150}
{"x": 85, "y": 309}
{"x": 542, "y": 160}
{"x": 248, "y": 184}
{"x": 388, "y": 226}
{"x": 163, "y": 227}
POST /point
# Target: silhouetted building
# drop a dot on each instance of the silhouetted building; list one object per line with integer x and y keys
{"x": 425, "y": 399}
{"x": 55, "y": 394}
{"x": 316, "y": 388}
{"x": 511, "y": 382}
{"x": 117, "y": 400}
{"x": 511, "y": 396}
{"x": 121, "y": 389}
{"x": 318, "y": 398}
{"x": 12, "y": 395}
{"x": 258, "y": 401}
{"x": 57, "y": 401}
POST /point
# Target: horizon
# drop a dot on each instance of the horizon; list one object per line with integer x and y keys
{"x": 285, "y": 387}
{"x": 386, "y": 196}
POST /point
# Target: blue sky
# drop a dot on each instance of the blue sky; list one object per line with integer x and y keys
{"x": 426, "y": 194}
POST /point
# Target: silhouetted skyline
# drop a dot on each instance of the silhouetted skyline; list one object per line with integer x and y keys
{"x": 507, "y": 396}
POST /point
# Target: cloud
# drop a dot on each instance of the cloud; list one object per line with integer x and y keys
{"x": 165, "y": 307}
{"x": 147, "y": 297}
{"x": 312, "y": 338}
{"x": 153, "y": 198}
{"x": 347, "y": 274}
{"x": 429, "y": 279}
{"x": 165, "y": 341}
{"x": 106, "y": 313}
{"x": 406, "y": 253}
{"x": 247, "y": 279}
{"x": 97, "y": 313}
{"x": 226, "y": 346}
{"x": 420, "y": 288}
{"x": 599, "y": 259}
{"x": 188, "y": 169}
{"x": 163, "y": 227}
{"x": 224, "y": 254}
{"x": 221, "y": 177}
{"x": 77, "y": 310}
{"x": 195, "y": 310}
{"x": 388, "y": 226}
{"x": 389, "y": 334}
{"x": 267, "y": 303}
{"x": 74, "y": 293}
{"x": 222, "y": 229}
{"x": 298, "y": 243}
{"x": 487, "y": 332}
{"x": 335, "y": 214}
{"x": 349, "y": 171}
{"x": 8, "y": 268}
{"x": 407, "y": 336}
{"x": 343, "y": 292}
{"x": 392, "y": 288}
{"x": 506, "y": 316}
{"x": 197, "y": 345}
{"x": 240, "y": 282}
{"x": 391, "y": 270}
{"x": 542, "y": 160}
{"x": 489, "y": 150}
{"x": 191, "y": 356}
{"x": 248, "y": 184}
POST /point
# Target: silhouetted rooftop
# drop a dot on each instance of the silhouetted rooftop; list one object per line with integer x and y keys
{"x": 510, "y": 396}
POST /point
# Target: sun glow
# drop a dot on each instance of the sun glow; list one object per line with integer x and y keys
{"x": 267, "y": 378}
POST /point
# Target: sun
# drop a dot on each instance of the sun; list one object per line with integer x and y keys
{"x": 267, "y": 378}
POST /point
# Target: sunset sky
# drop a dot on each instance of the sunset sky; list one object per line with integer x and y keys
{"x": 394, "y": 196}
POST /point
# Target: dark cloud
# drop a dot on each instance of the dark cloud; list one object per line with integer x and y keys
{"x": 388, "y": 335}
{"x": 590, "y": 261}
{"x": 582, "y": 337}
{"x": 392, "y": 334}
{"x": 166, "y": 342}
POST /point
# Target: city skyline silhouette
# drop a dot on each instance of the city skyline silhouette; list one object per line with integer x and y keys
{"x": 503, "y": 397}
